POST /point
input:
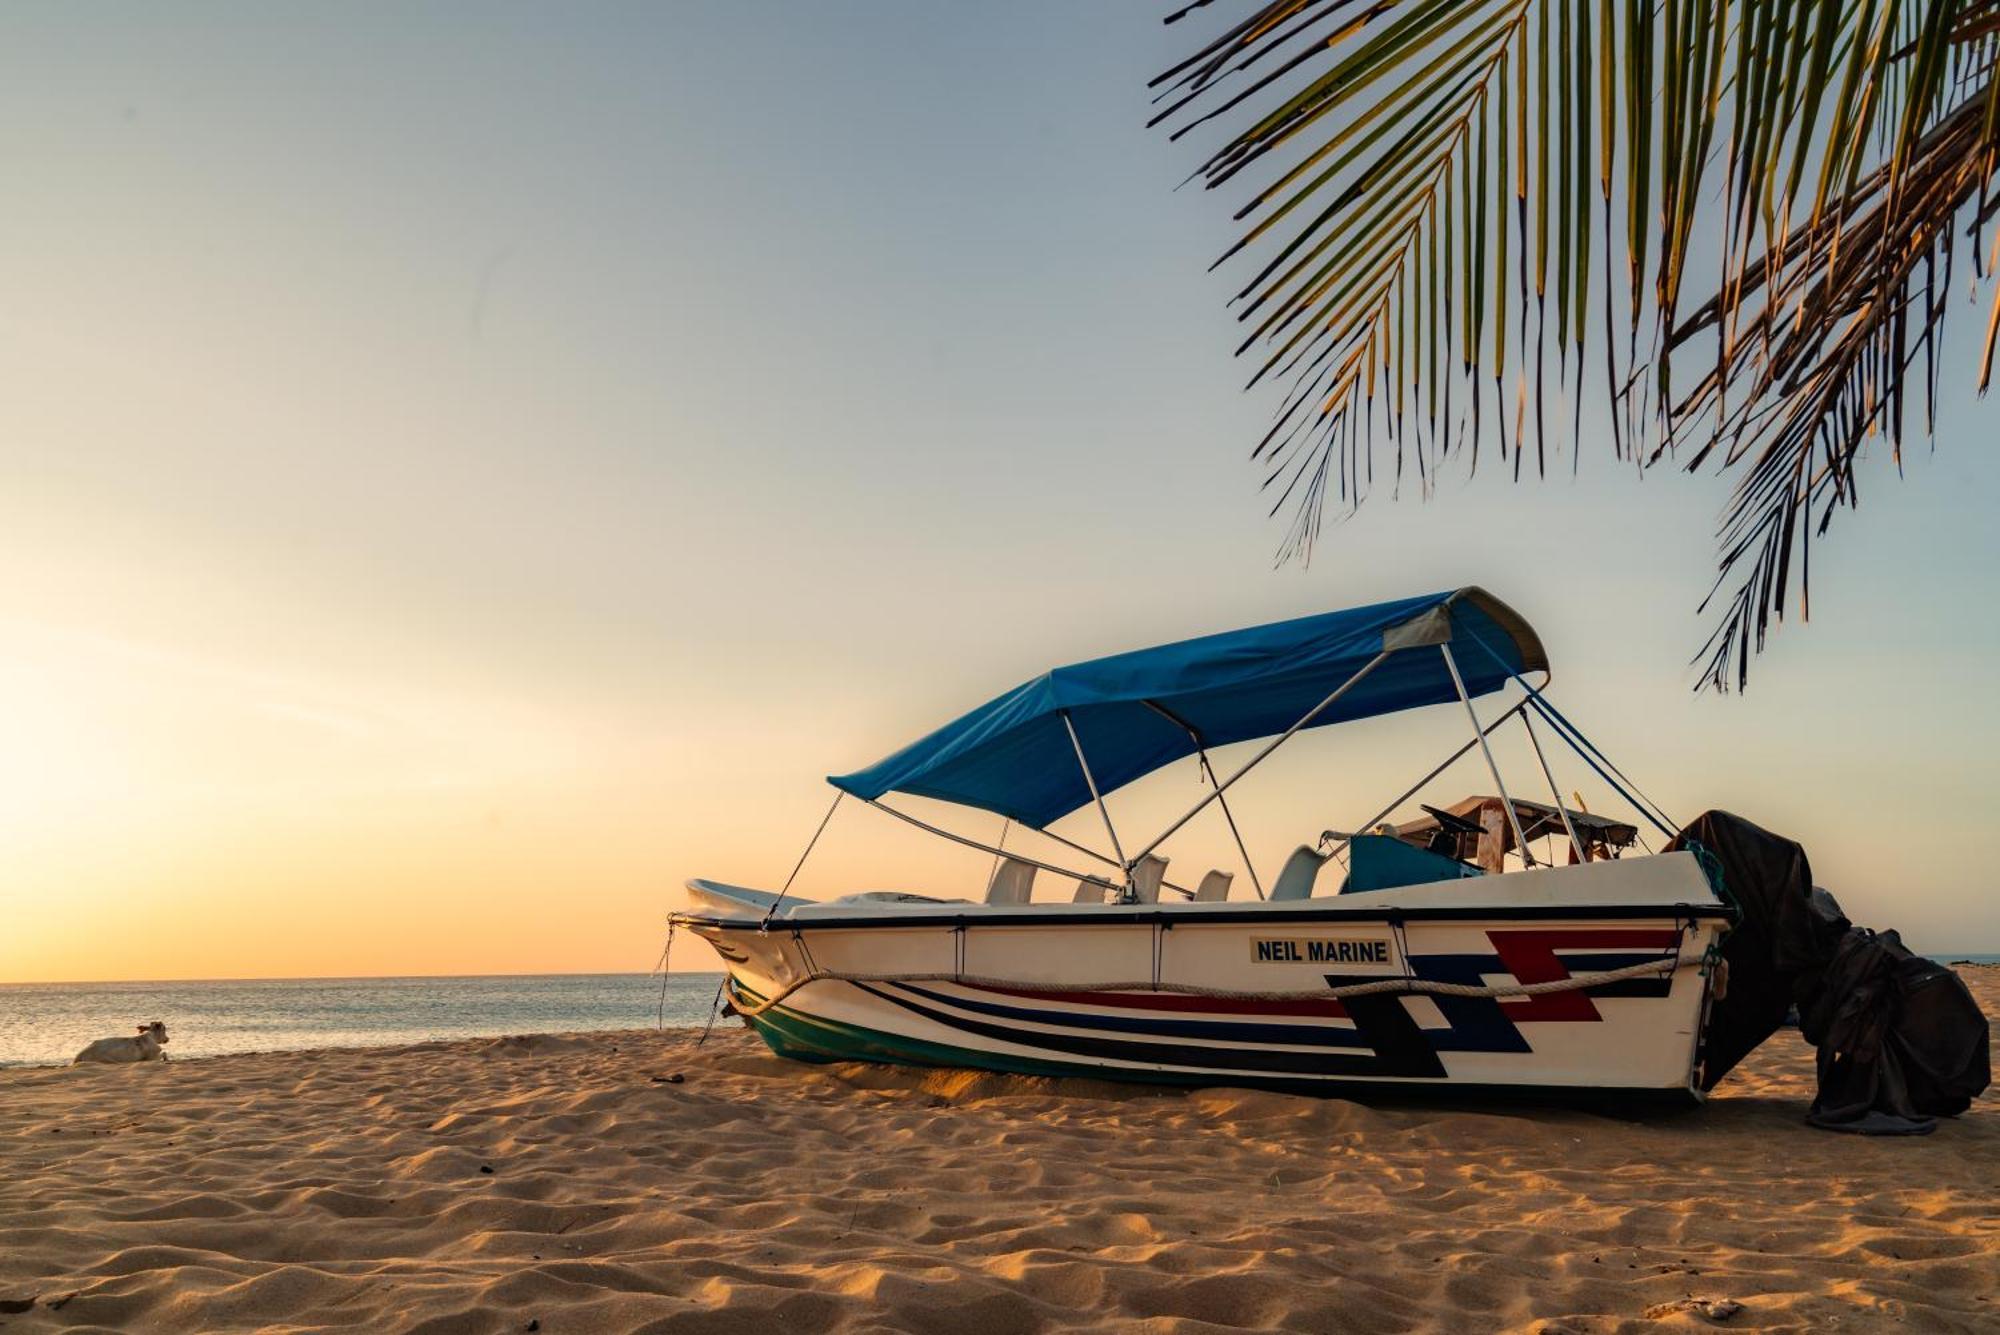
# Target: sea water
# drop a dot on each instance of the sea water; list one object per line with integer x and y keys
{"x": 43, "y": 1023}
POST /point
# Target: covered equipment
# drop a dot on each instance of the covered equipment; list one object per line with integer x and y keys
{"x": 1901, "y": 1040}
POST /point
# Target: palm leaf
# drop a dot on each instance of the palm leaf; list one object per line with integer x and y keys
{"x": 1809, "y": 167}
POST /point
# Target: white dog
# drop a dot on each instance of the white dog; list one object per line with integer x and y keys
{"x": 144, "y": 1048}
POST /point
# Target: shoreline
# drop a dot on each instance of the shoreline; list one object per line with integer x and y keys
{"x": 478, "y": 1185}
{"x": 47, "y": 1026}
{"x": 109, "y": 983}
{"x": 399, "y": 1045}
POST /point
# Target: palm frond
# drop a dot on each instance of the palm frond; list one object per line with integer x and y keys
{"x": 1418, "y": 175}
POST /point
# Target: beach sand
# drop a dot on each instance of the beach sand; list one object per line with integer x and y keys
{"x": 491, "y": 1185}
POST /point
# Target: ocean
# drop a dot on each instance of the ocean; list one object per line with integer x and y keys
{"x": 46, "y": 1023}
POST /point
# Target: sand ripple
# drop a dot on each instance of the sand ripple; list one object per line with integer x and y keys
{"x": 486, "y": 1185}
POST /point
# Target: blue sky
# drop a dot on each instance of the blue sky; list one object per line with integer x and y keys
{"x": 487, "y": 463}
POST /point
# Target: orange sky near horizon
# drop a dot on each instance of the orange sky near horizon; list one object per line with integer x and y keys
{"x": 456, "y": 484}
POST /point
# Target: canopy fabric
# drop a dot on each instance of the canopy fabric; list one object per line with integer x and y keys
{"x": 1013, "y": 755}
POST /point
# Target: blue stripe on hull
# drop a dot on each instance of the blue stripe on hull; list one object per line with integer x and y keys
{"x": 1239, "y": 1031}
{"x": 807, "y": 1038}
{"x": 1397, "y": 1046}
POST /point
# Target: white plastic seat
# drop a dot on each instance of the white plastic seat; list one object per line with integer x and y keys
{"x": 1301, "y": 870}
{"x": 1147, "y": 873}
{"x": 1013, "y": 882}
{"x": 1088, "y": 891}
{"x": 1214, "y": 887}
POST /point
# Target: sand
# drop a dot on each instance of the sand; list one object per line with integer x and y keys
{"x": 554, "y": 1183}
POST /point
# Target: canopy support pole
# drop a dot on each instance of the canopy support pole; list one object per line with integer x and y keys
{"x": 1216, "y": 793}
{"x": 968, "y": 842}
{"x": 1570, "y": 736}
{"x": 800, "y": 864}
{"x": 999, "y": 848}
{"x": 1090, "y": 781}
{"x": 1209, "y": 770}
{"x": 1236, "y": 834}
{"x": 1479, "y": 735}
{"x": 1084, "y": 849}
{"x": 926, "y": 826}
{"x": 1442, "y": 766}
{"x": 1581, "y": 854}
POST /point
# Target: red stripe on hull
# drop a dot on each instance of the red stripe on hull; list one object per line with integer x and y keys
{"x": 1531, "y": 957}
{"x": 1182, "y": 1002}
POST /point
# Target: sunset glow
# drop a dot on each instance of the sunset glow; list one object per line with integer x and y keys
{"x": 441, "y": 514}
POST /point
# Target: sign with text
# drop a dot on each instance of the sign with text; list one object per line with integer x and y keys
{"x": 1320, "y": 950}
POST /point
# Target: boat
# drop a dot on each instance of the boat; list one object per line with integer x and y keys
{"x": 1439, "y": 955}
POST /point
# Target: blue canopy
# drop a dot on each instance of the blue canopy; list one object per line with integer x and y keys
{"x": 1133, "y": 712}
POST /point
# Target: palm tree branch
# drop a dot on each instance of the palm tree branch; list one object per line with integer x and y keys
{"x": 1799, "y": 165}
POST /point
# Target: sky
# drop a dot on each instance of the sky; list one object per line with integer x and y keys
{"x": 466, "y": 469}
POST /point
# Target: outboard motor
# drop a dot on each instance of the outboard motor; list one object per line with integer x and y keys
{"x": 1901, "y": 1040}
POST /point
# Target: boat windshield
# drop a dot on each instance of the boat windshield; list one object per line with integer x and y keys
{"x": 1473, "y": 837}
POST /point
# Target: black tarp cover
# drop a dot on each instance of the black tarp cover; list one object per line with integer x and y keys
{"x": 1901, "y": 1039}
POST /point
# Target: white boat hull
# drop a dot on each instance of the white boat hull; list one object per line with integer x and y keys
{"x": 1243, "y": 993}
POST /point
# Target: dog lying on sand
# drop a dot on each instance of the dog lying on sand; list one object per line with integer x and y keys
{"x": 143, "y": 1048}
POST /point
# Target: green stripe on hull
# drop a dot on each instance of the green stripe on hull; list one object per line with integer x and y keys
{"x": 809, "y": 1038}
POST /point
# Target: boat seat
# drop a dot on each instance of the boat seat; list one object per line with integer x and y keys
{"x": 1013, "y": 882}
{"x": 1088, "y": 891}
{"x": 1213, "y": 888}
{"x": 1147, "y": 873}
{"x": 1301, "y": 870}
{"x": 1383, "y": 862}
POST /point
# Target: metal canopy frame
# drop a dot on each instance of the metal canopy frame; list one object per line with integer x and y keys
{"x": 1208, "y": 770}
{"x": 1480, "y": 732}
{"x": 1342, "y": 838}
{"x": 1479, "y": 735}
{"x": 1090, "y": 782}
{"x": 969, "y": 842}
{"x": 1555, "y": 790}
{"x": 1215, "y": 794}
{"x": 1217, "y": 788}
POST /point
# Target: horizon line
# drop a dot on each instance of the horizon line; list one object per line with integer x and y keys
{"x": 350, "y": 978}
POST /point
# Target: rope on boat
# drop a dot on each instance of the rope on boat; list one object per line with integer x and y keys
{"x": 1406, "y": 985}
{"x": 799, "y": 866}
{"x": 666, "y": 963}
